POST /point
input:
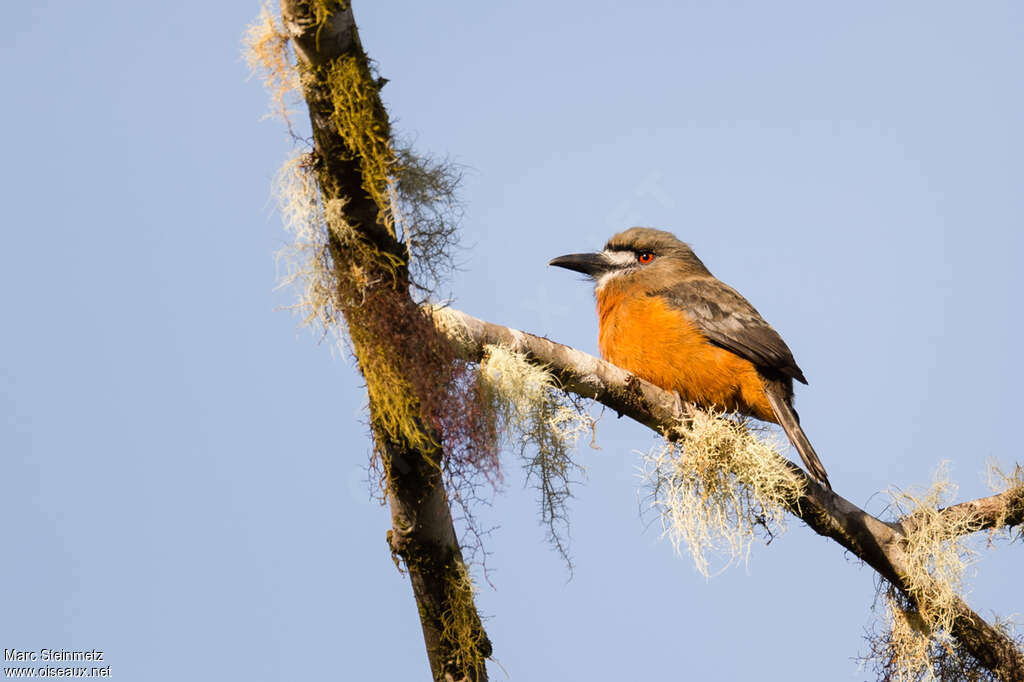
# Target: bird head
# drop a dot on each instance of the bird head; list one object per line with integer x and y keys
{"x": 640, "y": 255}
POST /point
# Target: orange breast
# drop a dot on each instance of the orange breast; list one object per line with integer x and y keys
{"x": 658, "y": 343}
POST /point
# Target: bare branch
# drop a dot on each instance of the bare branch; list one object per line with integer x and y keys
{"x": 877, "y": 543}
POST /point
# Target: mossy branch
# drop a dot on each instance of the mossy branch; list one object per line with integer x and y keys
{"x": 356, "y": 278}
{"x": 1002, "y": 510}
{"x": 881, "y": 545}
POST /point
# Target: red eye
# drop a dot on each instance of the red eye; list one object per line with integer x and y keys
{"x": 645, "y": 257}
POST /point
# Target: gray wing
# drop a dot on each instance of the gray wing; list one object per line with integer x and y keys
{"x": 729, "y": 321}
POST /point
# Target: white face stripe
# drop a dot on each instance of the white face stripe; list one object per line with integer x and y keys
{"x": 620, "y": 259}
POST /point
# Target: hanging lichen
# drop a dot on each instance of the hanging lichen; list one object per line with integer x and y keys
{"x": 537, "y": 420}
{"x": 717, "y": 485}
{"x": 914, "y": 640}
{"x": 265, "y": 48}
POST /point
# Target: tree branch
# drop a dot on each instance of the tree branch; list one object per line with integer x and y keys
{"x": 352, "y": 159}
{"x": 996, "y": 511}
{"x": 877, "y": 543}
{"x": 320, "y": 46}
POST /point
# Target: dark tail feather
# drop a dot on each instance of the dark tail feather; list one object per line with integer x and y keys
{"x": 790, "y": 423}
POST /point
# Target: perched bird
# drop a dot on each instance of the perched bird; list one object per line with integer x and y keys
{"x": 664, "y": 317}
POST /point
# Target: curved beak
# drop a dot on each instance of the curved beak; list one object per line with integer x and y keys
{"x": 592, "y": 264}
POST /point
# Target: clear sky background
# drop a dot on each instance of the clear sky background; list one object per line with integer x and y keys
{"x": 182, "y": 469}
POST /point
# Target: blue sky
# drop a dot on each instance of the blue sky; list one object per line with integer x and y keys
{"x": 183, "y": 467}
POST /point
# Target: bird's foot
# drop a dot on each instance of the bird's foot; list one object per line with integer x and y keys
{"x": 680, "y": 411}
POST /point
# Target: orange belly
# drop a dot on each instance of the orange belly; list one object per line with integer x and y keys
{"x": 659, "y": 344}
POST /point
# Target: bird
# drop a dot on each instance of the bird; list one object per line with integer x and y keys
{"x": 665, "y": 318}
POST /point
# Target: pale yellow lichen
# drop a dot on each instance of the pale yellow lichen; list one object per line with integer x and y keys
{"x": 267, "y": 51}
{"x": 539, "y": 421}
{"x": 306, "y": 261}
{"x": 905, "y": 649}
{"x": 716, "y": 486}
{"x": 916, "y": 641}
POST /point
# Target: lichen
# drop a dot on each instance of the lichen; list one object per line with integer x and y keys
{"x": 324, "y": 9}
{"x": 539, "y": 422}
{"x": 428, "y": 211}
{"x": 363, "y": 127}
{"x": 267, "y": 51}
{"x": 914, "y": 641}
{"x": 464, "y": 641}
{"x": 902, "y": 648}
{"x": 716, "y": 485}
